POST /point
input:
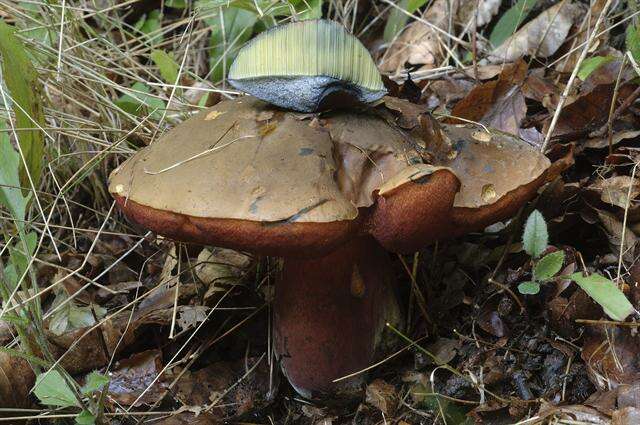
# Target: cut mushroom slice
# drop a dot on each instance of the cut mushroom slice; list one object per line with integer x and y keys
{"x": 307, "y": 66}
{"x": 327, "y": 195}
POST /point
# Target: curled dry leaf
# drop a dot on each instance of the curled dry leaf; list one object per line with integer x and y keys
{"x": 499, "y": 103}
{"x": 539, "y": 38}
{"x": 218, "y": 267}
{"x": 419, "y": 43}
{"x": 626, "y": 416}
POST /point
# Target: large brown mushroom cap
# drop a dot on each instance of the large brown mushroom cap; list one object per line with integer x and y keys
{"x": 248, "y": 176}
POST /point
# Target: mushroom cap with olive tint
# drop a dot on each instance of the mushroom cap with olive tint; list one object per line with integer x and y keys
{"x": 307, "y": 66}
{"x": 247, "y": 176}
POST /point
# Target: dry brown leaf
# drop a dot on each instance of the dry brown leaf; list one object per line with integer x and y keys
{"x": 581, "y": 33}
{"x": 218, "y": 267}
{"x": 590, "y": 110}
{"x": 612, "y": 360}
{"x": 382, "y": 396}
{"x": 131, "y": 377}
{"x": 419, "y": 43}
{"x": 614, "y": 229}
{"x": 615, "y": 190}
{"x": 617, "y": 137}
{"x": 484, "y": 13}
{"x": 498, "y": 104}
{"x": 549, "y": 413}
{"x": 539, "y": 38}
{"x": 226, "y": 386}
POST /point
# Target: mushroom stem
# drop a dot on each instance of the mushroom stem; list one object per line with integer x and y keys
{"x": 329, "y": 316}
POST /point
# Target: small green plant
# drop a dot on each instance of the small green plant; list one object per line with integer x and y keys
{"x": 52, "y": 389}
{"x": 535, "y": 240}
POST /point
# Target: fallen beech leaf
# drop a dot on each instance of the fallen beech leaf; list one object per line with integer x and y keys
{"x": 219, "y": 267}
{"x": 603, "y": 142}
{"x": 581, "y": 32}
{"x": 539, "y": 38}
{"x": 549, "y": 413}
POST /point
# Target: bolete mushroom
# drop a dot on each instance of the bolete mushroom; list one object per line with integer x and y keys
{"x": 328, "y": 194}
{"x": 307, "y": 66}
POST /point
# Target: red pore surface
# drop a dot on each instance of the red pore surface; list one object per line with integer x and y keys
{"x": 329, "y": 311}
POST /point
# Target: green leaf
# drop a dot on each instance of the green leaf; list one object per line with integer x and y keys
{"x": 85, "y": 418}
{"x": 510, "y": 21}
{"x": 139, "y": 102}
{"x": 10, "y": 193}
{"x": 535, "y": 238}
{"x": 398, "y": 19}
{"x": 238, "y": 28}
{"x": 633, "y": 41}
{"x": 614, "y": 303}
{"x": 591, "y": 64}
{"x": 269, "y": 8}
{"x": 150, "y": 25}
{"x": 53, "y": 390}
{"x": 548, "y": 266}
{"x": 22, "y": 81}
{"x": 19, "y": 262}
{"x": 95, "y": 382}
{"x": 529, "y": 288}
{"x": 313, "y": 10}
{"x": 166, "y": 65}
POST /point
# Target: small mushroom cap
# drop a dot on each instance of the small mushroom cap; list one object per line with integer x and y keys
{"x": 247, "y": 176}
{"x": 299, "y": 65}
